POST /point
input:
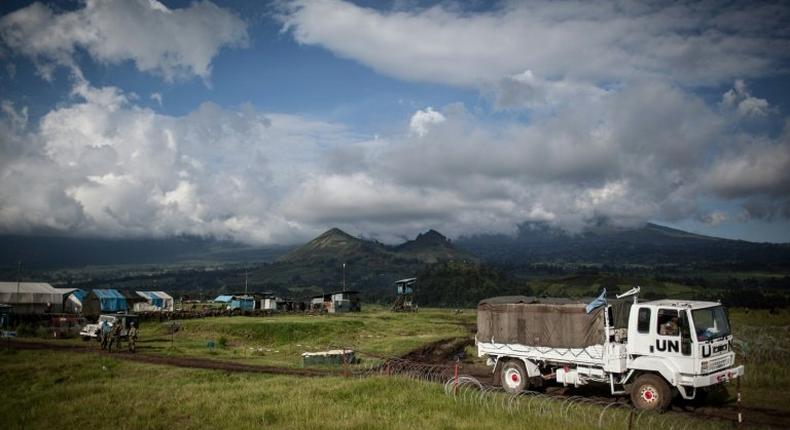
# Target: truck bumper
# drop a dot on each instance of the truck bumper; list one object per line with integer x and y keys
{"x": 719, "y": 377}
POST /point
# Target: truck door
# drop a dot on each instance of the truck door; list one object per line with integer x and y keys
{"x": 674, "y": 338}
{"x": 641, "y": 330}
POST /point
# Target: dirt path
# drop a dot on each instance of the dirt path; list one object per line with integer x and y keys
{"x": 188, "y": 362}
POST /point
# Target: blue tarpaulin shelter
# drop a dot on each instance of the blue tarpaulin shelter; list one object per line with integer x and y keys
{"x": 243, "y": 303}
{"x": 155, "y": 299}
{"x": 224, "y": 299}
{"x": 110, "y": 300}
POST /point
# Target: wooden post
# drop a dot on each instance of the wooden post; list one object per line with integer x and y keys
{"x": 738, "y": 402}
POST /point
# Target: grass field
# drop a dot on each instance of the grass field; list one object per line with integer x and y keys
{"x": 281, "y": 339}
{"x": 68, "y": 390}
{"x": 46, "y": 389}
{"x": 763, "y": 339}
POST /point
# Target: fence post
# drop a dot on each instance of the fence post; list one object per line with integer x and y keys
{"x": 738, "y": 404}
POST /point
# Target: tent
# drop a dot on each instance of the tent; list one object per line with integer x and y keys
{"x": 224, "y": 299}
{"x": 72, "y": 299}
{"x": 104, "y": 300}
{"x": 154, "y": 301}
{"x": 31, "y": 297}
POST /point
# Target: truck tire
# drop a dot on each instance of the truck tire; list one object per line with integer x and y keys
{"x": 513, "y": 376}
{"x": 651, "y": 393}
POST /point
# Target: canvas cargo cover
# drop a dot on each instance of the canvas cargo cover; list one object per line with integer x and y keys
{"x": 539, "y": 324}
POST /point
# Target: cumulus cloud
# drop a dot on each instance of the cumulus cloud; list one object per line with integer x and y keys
{"x": 525, "y": 90}
{"x": 743, "y": 103}
{"x": 689, "y": 43}
{"x": 174, "y": 43}
{"x": 423, "y": 119}
{"x": 103, "y": 165}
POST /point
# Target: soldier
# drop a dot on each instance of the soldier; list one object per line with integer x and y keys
{"x": 132, "y": 336}
{"x": 115, "y": 338}
{"x": 104, "y": 334}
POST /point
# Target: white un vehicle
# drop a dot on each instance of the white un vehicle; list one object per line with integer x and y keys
{"x": 651, "y": 350}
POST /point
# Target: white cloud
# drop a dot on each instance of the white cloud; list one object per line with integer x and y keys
{"x": 599, "y": 42}
{"x": 104, "y": 165}
{"x": 741, "y": 100}
{"x": 715, "y": 218}
{"x": 526, "y": 90}
{"x": 174, "y": 43}
{"x": 157, "y": 97}
{"x": 422, "y": 120}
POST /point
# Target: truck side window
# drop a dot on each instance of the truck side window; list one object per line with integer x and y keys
{"x": 643, "y": 320}
{"x": 668, "y": 322}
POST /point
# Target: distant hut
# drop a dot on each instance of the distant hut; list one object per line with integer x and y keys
{"x": 234, "y": 301}
{"x": 337, "y": 302}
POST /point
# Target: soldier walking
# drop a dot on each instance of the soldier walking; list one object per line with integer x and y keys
{"x": 132, "y": 337}
{"x": 104, "y": 334}
{"x": 115, "y": 338}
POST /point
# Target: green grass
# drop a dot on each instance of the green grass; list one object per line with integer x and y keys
{"x": 70, "y": 391}
{"x": 281, "y": 339}
{"x": 764, "y": 341}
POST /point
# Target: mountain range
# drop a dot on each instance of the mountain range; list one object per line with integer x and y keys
{"x": 335, "y": 244}
{"x": 650, "y": 244}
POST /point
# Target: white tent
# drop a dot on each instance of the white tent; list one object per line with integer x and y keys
{"x": 31, "y": 297}
{"x": 72, "y": 299}
{"x": 154, "y": 301}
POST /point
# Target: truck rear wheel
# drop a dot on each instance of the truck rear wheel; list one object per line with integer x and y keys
{"x": 650, "y": 392}
{"x": 513, "y": 376}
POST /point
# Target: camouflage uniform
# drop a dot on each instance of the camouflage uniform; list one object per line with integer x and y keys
{"x": 104, "y": 334}
{"x": 132, "y": 337}
{"x": 115, "y": 338}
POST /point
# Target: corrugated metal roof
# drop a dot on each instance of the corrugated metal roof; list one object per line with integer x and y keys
{"x": 224, "y": 299}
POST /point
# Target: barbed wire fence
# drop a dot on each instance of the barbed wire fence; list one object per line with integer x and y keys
{"x": 572, "y": 409}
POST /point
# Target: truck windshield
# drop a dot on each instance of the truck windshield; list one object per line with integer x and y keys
{"x": 710, "y": 323}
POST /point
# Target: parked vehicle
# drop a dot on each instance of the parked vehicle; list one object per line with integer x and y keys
{"x": 94, "y": 330}
{"x": 650, "y": 350}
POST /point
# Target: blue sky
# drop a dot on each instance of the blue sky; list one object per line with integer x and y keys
{"x": 271, "y": 122}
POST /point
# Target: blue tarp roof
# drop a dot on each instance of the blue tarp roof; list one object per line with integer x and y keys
{"x": 224, "y": 299}
{"x": 111, "y": 300}
{"x": 79, "y": 294}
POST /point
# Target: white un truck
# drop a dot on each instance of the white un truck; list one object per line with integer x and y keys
{"x": 650, "y": 350}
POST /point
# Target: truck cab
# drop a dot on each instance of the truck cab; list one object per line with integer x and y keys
{"x": 689, "y": 343}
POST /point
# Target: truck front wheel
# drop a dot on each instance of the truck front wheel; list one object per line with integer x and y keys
{"x": 513, "y": 376}
{"x": 650, "y": 392}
